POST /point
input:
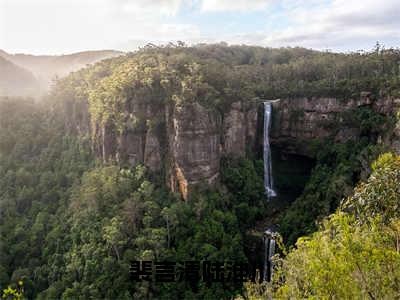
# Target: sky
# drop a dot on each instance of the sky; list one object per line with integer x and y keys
{"x": 66, "y": 26}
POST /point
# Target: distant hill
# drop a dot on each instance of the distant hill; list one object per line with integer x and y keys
{"x": 48, "y": 67}
{"x": 16, "y": 81}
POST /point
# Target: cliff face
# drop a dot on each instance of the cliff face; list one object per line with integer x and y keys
{"x": 298, "y": 122}
{"x": 198, "y": 137}
{"x": 138, "y": 141}
{"x": 187, "y": 141}
{"x": 239, "y": 130}
{"x": 194, "y": 143}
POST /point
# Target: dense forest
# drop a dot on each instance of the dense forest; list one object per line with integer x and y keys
{"x": 71, "y": 222}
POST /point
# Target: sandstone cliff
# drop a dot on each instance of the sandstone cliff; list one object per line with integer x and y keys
{"x": 187, "y": 140}
{"x": 300, "y": 121}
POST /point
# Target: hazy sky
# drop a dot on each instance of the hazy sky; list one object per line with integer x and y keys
{"x": 64, "y": 26}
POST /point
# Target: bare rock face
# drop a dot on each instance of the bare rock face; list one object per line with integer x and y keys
{"x": 194, "y": 143}
{"x": 197, "y": 140}
{"x": 252, "y": 121}
{"x": 152, "y": 151}
{"x": 104, "y": 141}
{"x": 395, "y": 139}
{"x": 135, "y": 143}
{"x": 234, "y": 131}
{"x": 347, "y": 134}
{"x": 131, "y": 147}
{"x": 239, "y": 129}
{"x": 302, "y": 118}
{"x": 299, "y": 121}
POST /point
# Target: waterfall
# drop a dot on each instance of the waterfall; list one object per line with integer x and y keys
{"x": 269, "y": 248}
{"x": 268, "y": 183}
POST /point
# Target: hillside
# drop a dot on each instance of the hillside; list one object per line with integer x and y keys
{"x": 16, "y": 81}
{"x": 46, "y": 67}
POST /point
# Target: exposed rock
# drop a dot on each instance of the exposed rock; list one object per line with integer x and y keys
{"x": 251, "y": 126}
{"x": 385, "y": 105}
{"x": 194, "y": 143}
{"x": 365, "y": 99}
{"x": 131, "y": 146}
{"x": 297, "y": 122}
{"x": 234, "y": 129}
{"x": 395, "y": 139}
{"x": 347, "y": 134}
{"x": 109, "y": 145}
{"x": 182, "y": 182}
{"x": 193, "y": 138}
{"x": 152, "y": 156}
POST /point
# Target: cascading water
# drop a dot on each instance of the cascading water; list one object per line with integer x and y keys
{"x": 268, "y": 182}
{"x": 269, "y": 248}
{"x": 269, "y": 235}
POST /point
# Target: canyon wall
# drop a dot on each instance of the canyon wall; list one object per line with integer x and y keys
{"x": 186, "y": 141}
{"x": 198, "y": 137}
{"x": 298, "y": 122}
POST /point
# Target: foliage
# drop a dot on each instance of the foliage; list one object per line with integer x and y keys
{"x": 38, "y": 165}
{"x": 13, "y": 293}
{"x": 338, "y": 168}
{"x": 244, "y": 180}
{"x": 344, "y": 261}
{"x": 379, "y": 195}
{"x": 355, "y": 254}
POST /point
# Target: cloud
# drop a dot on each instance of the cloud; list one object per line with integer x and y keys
{"x": 163, "y": 34}
{"x": 233, "y": 5}
{"x": 62, "y": 26}
{"x": 148, "y": 7}
{"x": 48, "y": 26}
{"x": 172, "y": 7}
{"x": 340, "y": 25}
